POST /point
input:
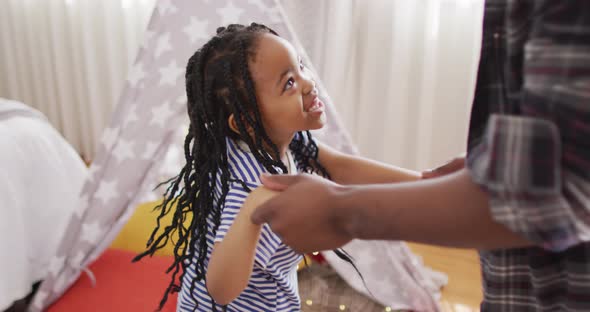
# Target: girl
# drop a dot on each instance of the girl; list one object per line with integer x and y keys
{"x": 251, "y": 104}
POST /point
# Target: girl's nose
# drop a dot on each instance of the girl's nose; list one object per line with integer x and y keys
{"x": 309, "y": 86}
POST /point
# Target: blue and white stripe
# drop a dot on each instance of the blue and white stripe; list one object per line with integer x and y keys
{"x": 273, "y": 283}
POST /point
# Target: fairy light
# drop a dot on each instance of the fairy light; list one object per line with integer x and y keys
{"x": 315, "y": 253}
{"x": 342, "y": 307}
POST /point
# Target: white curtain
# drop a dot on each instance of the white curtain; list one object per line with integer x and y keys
{"x": 69, "y": 59}
{"x": 401, "y": 73}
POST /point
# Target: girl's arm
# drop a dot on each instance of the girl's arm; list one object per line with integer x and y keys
{"x": 348, "y": 169}
{"x": 232, "y": 259}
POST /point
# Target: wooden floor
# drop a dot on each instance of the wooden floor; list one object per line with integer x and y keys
{"x": 463, "y": 292}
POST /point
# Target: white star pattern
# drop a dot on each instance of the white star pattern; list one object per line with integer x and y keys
{"x": 123, "y": 150}
{"x": 150, "y": 149}
{"x": 182, "y": 100}
{"x": 196, "y": 29}
{"x": 161, "y": 114}
{"x": 136, "y": 75}
{"x": 274, "y": 15}
{"x": 108, "y": 137}
{"x": 93, "y": 169}
{"x": 148, "y": 197}
{"x": 163, "y": 45}
{"x": 230, "y": 14}
{"x": 40, "y": 298}
{"x": 82, "y": 205}
{"x": 106, "y": 191}
{"x": 90, "y": 232}
{"x": 170, "y": 74}
{"x": 147, "y": 38}
{"x": 76, "y": 261}
{"x": 166, "y": 7}
{"x": 60, "y": 282}
{"x": 259, "y": 4}
{"x": 131, "y": 116}
{"x": 55, "y": 265}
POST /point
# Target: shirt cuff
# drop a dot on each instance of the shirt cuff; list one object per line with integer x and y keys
{"x": 518, "y": 163}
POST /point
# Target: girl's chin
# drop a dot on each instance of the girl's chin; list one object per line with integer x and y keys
{"x": 322, "y": 121}
{"x": 319, "y": 124}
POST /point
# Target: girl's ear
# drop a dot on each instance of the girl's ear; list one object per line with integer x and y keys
{"x": 233, "y": 125}
{"x": 231, "y": 121}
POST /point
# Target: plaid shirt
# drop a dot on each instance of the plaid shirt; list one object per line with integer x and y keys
{"x": 529, "y": 148}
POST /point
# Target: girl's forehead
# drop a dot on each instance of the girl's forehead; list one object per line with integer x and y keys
{"x": 274, "y": 55}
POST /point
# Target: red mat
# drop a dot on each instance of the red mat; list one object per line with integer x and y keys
{"x": 120, "y": 286}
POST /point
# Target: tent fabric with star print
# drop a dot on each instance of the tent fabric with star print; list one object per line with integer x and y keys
{"x": 142, "y": 145}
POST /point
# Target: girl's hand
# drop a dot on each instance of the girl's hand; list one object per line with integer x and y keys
{"x": 258, "y": 197}
{"x": 306, "y": 215}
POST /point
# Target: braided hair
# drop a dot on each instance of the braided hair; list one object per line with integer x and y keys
{"x": 218, "y": 84}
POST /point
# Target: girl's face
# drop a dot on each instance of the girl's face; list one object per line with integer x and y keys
{"x": 286, "y": 93}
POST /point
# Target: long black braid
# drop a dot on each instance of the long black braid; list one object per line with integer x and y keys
{"x": 218, "y": 84}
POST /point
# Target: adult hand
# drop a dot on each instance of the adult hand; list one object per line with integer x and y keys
{"x": 454, "y": 165}
{"x": 306, "y": 214}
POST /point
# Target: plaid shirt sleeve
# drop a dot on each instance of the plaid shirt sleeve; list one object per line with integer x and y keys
{"x": 518, "y": 164}
{"x": 535, "y": 163}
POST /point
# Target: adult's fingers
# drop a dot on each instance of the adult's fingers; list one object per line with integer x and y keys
{"x": 279, "y": 182}
{"x": 264, "y": 213}
{"x": 452, "y": 166}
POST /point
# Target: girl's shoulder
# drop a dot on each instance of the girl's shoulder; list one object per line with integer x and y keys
{"x": 242, "y": 163}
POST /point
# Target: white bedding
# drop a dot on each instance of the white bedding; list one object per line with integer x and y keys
{"x": 40, "y": 179}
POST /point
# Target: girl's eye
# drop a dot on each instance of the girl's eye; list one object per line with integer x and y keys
{"x": 290, "y": 83}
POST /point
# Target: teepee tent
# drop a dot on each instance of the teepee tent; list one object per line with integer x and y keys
{"x": 141, "y": 146}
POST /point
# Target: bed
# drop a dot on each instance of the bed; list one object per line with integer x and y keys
{"x": 40, "y": 179}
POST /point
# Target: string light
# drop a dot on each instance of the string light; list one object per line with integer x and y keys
{"x": 315, "y": 253}
{"x": 342, "y": 307}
